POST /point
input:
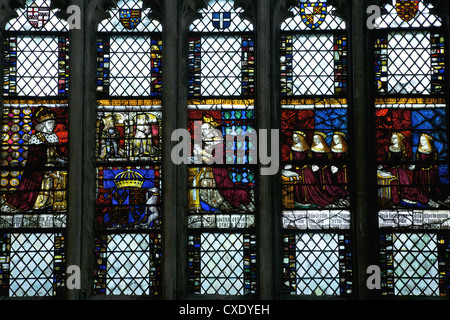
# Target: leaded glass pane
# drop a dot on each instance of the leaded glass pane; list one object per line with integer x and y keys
{"x": 130, "y": 71}
{"x": 221, "y": 66}
{"x": 227, "y": 263}
{"x": 317, "y": 264}
{"x": 33, "y": 264}
{"x": 127, "y": 264}
{"x": 36, "y": 66}
{"x": 313, "y": 64}
{"x": 35, "y": 76}
{"x": 411, "y": 264}
{"x": 410, "y": 63}
{"x": 129, "y": 66}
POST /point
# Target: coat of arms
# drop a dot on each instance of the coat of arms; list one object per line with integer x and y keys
{"x": 407, "y": 9}
{"x": 38, "y": 16}
{"x": 130, "y": 18}
{"x": 313, "y": 14}
{"x": 127, "y": 199}
{"x": 221, "y": 20}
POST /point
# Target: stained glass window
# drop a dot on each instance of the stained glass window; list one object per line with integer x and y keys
{"x": 222, "y": 177}
{"x": 34, "y": 161}
{"x": 412, "y": 149}
{"x": 128, "y": 153}
{"x": 316, "y": 217}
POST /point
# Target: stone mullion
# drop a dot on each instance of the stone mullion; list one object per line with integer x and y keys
{"x": 185, "y": 15}
{"x": 94, "y": 13}
{"x": 75, "y": 189}
{"x": 263, "y": 109}
{"x": 280, "y": 13}
{"x": 169, "y": 170}
{"x": 364, "y": 180}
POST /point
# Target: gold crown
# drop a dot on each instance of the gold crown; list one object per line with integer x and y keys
{"x": 339, "y": 133}
{"x": 323, "y": 135}
{"x": 129, "y": 179}
{"x": 300, "y": 133}
{"x": 399, "y": 135}
{"x": 428, "y": 136}
{"x": 44, "y": 113}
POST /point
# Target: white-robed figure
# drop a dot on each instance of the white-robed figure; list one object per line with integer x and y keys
{"x": 153, "y": 205}
{"x": 110, "y": 138}
{"x": 146, "y": 128}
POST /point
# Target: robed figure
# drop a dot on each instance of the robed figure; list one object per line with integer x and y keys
{"x": 146, "y": 133}
{"x": 426, "y": 174}
{"x": 339, "y": 149}
{"x": 322, "y": 157}
{"x": 35, "y": 187}
{"x": 402, "y": 187}
{"x": 217, "y": 188}
{"x": 308, "y": 192}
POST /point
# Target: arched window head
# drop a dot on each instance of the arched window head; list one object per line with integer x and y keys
{"x": 313, "y": 15}
{"x": 37, "y": 15}
{"x": 408, "y": 14}
{"x": 221, "y": 16}
{"x": 130, "y": 16}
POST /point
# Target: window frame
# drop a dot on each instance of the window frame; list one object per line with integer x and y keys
{"x": 175, "y": 17}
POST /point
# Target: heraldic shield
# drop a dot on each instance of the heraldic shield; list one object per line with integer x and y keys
{"x": 406, "y": 9}
{"x": 130, "y": 18}
{"x": 221, "y": 20}
{"x": 38, "y": 16}
{"x": 313, "y": 14}
{"x": 129, "y": 200}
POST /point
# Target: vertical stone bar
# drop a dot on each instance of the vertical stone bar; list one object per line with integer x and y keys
{"x": 169, "y": 170}
{"x": 182, "y": 23}
{"x": 278, "y": 17}
{"x": 93, "y": 14}
{"x": 364, "y": 200}
{"x": 263, "y": 115}
{"x": 75, "y": 188}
